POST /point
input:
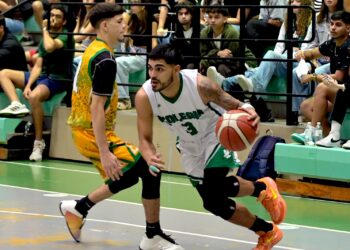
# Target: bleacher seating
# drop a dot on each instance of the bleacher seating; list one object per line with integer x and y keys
{"x": 15, "y": 142}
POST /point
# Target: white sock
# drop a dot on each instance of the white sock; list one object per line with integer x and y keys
{"x": 335, "y": 130}
{"x": 16, "y": 102}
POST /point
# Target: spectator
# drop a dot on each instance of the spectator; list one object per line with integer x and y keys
{"x": 14, "y": 19}
{"x": 234, "y": 12}
{"x": 45, "y": 80}
{"x": 322, "y": 34}
{"x": 39, "y": 9}
{"x": 266, "y": 27}
{"x": 137, "y": 25}
{"x": 187, "y": 26}
{"x": 341, "y": 104}
{"x": 221, "y": 54}
{"x": 84, "y": 26}
{"x": 257, "y": 79}
{"x": 11, "y": 52}
{"x": 337, "y": 49}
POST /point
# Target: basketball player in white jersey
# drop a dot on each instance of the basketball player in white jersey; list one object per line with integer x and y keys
{"x": 189, "y": 104}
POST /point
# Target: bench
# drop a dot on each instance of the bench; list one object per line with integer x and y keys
{"x": 326, "y": 164}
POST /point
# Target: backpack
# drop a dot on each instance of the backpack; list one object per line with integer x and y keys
{"x": 260, "y": 162}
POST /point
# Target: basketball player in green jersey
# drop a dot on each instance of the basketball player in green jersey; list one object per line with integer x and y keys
{"x": 189, "y": 104}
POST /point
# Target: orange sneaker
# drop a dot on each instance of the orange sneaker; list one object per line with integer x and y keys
{"x": 74, "y": 220}
{"x": 272, "y": 200}
{"x": 269, "y": 239}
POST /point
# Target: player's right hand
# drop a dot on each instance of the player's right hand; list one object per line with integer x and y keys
{"x": 112, "y": 166}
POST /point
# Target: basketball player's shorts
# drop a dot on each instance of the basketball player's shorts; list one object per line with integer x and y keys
{"x": 205, "y": 153}
{"x": 126, "y": 153}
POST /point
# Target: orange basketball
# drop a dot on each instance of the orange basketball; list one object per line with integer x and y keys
{"x": 234, "y": 131}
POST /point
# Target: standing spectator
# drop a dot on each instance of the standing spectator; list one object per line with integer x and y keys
{"x": 221, "y": 54}
{"x": 11, "y": 52}
{"x": 44, "y": 81}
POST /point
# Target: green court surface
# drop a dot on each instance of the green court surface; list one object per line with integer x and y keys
{"x": 176, "y": 192}
{"x": 29, "y": 217}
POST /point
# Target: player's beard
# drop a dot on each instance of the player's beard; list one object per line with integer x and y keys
{"x": 164, "y": 85}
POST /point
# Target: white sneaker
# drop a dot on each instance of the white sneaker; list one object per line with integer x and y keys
{"x": 15, "y": 109}
{"x": 37, "y": 154}
{"x": 328, "y": 142}
{"x": 215, "y": 76}
{"x": 245, "y": 83}
{"x": 159, "y": 242}
{"x": 74, "y": 220}
{"x": 346, "y": 145}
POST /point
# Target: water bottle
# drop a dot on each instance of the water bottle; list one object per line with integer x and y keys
{"x": 308, "y": 134}
{"x": 27, "y": 128}
{"x": 318, "y": 135}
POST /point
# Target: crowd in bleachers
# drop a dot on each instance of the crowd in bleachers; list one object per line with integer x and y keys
{"x": 55, "y": 57}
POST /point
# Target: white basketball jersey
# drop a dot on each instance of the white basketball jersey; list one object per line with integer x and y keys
{"x": 185, "y": 114}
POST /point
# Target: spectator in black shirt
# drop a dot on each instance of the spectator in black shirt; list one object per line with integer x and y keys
{"x": 11, "y": 52}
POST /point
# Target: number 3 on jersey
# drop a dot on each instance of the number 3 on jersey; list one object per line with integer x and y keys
{"x": 190, "y": 128}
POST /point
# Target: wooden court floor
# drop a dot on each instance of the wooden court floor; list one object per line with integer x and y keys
{"x": 30, "y": 219}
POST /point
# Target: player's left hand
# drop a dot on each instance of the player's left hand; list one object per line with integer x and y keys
{"x": 155, "y": 163}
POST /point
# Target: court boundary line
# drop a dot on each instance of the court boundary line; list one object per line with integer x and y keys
{"x": 168, "y": 182}
{"x": 142, "y": 226}
{"x": 80, "y": 171}
{"x": 169, "y": 208}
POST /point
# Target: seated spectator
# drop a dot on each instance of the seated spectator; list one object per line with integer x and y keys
{"x": 234, "y": 12}
{"x": 84, "y": 26}
{"x": 341, "y": 104}
{"x": 137, "y": 25}
{"x": 322, "y": 34}
{"x": 39, "y": 9}
{"x": 258, "y": 78}
{"x": 266, "y": 27}
{"x": 187, "y": 26}
{"x": 14, "y": 19}
{"x": 11, "y": 52}
{"x": 45, "y": 80}
{"x": 316, "y": 109}
{"x": 221, "y": 54}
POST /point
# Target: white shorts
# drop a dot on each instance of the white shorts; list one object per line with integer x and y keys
{"x": 206, "y": 153}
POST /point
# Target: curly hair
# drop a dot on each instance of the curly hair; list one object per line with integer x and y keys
{"x": 302, "y": 20}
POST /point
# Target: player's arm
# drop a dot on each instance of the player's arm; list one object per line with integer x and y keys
{"x": 211, "y": 92}
{"x": 145, "y": 130}
{"x": 102, "y": 88}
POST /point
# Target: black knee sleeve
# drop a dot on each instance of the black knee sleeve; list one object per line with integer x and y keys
{"x": 224, "y": 208}
{"x": 231, "y": 186}
{"x": 150, "y": 183}
{"x": 124, "y": 182}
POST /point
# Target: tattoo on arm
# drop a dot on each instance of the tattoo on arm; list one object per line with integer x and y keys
{"x": 211, "y": 92}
